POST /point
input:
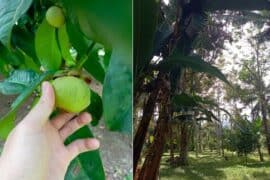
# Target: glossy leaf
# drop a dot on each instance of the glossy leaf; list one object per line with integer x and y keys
{"x": 95, "y": 108}
{"x": 11, "y": 88}
{"x": 109, "y": 27}
{"x": 28, "y": 62}
{"x": 17, "y": 81}
{"x": 7, "y": 123}
{"x": 209, "y": 114}
{"x": 10, "y": 12}
{"x": 77, "y": 39}
{"x": 194, "y": 62}
{"x": 93, "y": 66}
{"x": 25, "y": 40}
{"x": 82, "y": 44}
{"x": 117, "y": 93}
{"x": 31, "y": 87}
{"x": 3, "y": 68}
{"x": 46, "y": 47}
{"x": 106, "y": 59}
{"x": 183, "y": 100}
{"x": 11, "y": 57}
{"x": 88, "y": 165}
{"x": 65, "y": 46}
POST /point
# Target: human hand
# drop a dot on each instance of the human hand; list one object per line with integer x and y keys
{"x": 35, "y": 148}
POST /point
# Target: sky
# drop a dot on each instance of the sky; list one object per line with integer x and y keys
{"x": 239, "y": 50}
{"x": 236, "y": 51}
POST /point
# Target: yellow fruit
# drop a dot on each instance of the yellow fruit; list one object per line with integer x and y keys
{"x": 71, "y": 94}
{"x": 55, "y": 16}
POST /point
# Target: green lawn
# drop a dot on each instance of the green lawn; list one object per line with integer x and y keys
{"x": 211, "y": 166}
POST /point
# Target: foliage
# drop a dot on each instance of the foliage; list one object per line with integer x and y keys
{"x": 93, "y": 44}
{"x": 194, "y": 62}
{"x": 245, "y": 136}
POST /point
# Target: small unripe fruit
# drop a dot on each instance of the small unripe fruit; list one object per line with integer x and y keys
{"x": 71, "y": 94}
{"x": 55, "y": 16}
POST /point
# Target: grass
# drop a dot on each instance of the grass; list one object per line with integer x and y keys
{"x": 211, "y": 166}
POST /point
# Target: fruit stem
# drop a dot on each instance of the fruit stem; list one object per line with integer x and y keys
{"x": 84, "y": 58}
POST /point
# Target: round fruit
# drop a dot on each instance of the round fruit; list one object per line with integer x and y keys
{"x": 71, "y": 94}
{"x": 55, "y": 16}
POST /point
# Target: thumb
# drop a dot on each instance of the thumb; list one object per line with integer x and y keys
{"x": 43, "y": 109}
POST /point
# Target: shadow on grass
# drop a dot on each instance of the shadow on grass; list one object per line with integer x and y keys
{"x": 210, "y": 165}
{"x": 190, "y": 173}
{"x": 261, "y": 175}
{"x": 199, "y": 171}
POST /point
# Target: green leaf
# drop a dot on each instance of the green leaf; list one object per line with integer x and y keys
{"x": 7, "y": 123}
{"x": 46, "y": 47}
{"x": 25, "y": 41}
{"x": 77, "y": 39}
{"x": 106, "y": 59}
{"x": 95, "y": 108}
{"x": 17, "y": 81}
{"x": 10, "y": 12}
{"x": 196, "y": 63}
{"x": 183, "y": 100}
{"x": 28, "y": 62}
{"x": 65, "y": 46}
{"x": 28, "y": 91}
{"x": 93, "y": 66}
{"x": 109, "y": 27}
{"x": 88, "y": 165}
{"x": 3, "y": 68}
{"x": 117, "y": 90}
{"x": 209, "y": 114}
{"x": 12, "y": 57}
{"x": 11, "y": 88}
{"x": 145, "y": 22}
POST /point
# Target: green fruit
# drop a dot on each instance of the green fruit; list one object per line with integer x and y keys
{"x": 55, "y": 16}
{"x": 71, "y": 94}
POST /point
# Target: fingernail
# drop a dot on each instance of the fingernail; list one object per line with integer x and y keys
{"x": 44, "y": 87}
{"x": 88, "y": 118}
{"x": 94, "y": 143}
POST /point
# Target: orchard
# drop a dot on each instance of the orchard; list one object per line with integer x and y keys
{"x": 201, "y": 89}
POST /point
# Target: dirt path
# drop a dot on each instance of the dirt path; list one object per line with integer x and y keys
{"x": 116, "y": 152}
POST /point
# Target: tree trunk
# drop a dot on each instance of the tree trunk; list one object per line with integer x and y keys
{"x": 196, "y": 137}
{"x": 222, "y": 141}
{"x": 265, "y": 123}
{"x": 141, "y": 132}
{"x": 200, "y": 138}
{"x": 183, "y": 161}
{"x": 151, "y": 164}
{"x": 171, "y": 143}
{"x": 260, "y": 153}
